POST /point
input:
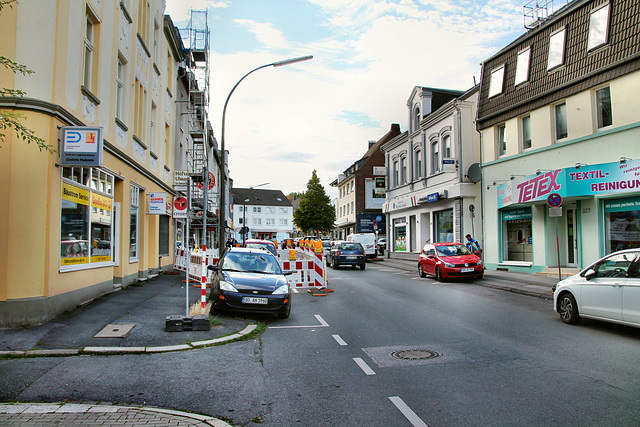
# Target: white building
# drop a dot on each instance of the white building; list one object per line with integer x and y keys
{"x": 267, "y": 213}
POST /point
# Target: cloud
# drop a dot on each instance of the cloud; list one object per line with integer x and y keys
{"x": 270, "y": 37}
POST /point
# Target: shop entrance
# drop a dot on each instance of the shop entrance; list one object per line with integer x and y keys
{"x": 572, "y": 240}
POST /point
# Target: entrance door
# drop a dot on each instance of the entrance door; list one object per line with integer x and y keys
{"x": 572, "y": 240}
{"x": 412, "y": 232}
{"x": 115, "y": 241}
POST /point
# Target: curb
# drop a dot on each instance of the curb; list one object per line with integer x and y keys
{"x": 109, "y": 351}
{"x": 77, "y": 409}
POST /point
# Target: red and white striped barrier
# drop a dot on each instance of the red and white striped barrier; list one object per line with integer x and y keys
{"x": 308, "y": 268}
{"x": 198, "y": 262}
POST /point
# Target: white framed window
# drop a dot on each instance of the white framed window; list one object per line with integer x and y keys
{"x": 403, "y": 170}
{"x": 522, "y": 66}
{"x": 415, "y": 119}
{"x": 120, "y": 87}
{"x": 396, "y": 182}
{"x": 271, "y": 221}
{"x": 501, "y": 140}
{"x": 134, "y": 223}
{"x": 257, "y": 221}
{"x": 284, "y": 221}
{"x": 496, "y": 82}
{"x": 556, "y": 49}
{"x": 525, "y": 123}
{"x": 284, "y": 211}
{"x": 604, "y": 114}
{"x": 257, "y": 209}
{"x": 447, "y": 148}
{"x": 152, "y": 128}
{"x": 435, "y": 156}
{"x": 598, "y": 27}
{"x": 417, "y": 164}
{"x": 89, "y": 33}
{"x": 560, "y": 121}
{"x": 270, "y": 209}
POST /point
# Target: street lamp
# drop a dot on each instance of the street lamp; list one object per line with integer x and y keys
{"x": 223, "y": 178}
{"x": 244, "y": 222}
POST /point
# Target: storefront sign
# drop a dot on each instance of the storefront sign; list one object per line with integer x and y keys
{"x": 74, "y": 194}
{"x": 380, "y": 185}
{"x": 448, "y": 165}
{"x": 606, "y": 178}
{"x": 157, "y": 203}
{"x": 370, "y": 223}
{"x": 379, "y": 170}
{"x": 81, "y": 146}
{"x": 433, "y": 197}
{"x": 180, "y": 178}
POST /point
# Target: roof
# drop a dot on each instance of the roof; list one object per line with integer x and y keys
{"x": 259, "y": 197}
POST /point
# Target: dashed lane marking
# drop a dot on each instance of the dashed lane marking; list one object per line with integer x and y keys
{"x": 363, "y": 365}
{"x": 339, "y": 340}
{"x": 322, "y": 324}
{"x": 407, "y": 412}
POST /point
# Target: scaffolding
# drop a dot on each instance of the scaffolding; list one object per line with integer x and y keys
{"x": 538, "y": 11}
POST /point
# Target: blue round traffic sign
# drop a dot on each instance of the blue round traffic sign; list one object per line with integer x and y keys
{"x": 554, "y": 200}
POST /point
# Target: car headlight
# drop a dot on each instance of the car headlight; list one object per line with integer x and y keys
{"x": 446, "y": 264}
{"x": 226, "y": 286}
{"x": 479, "y": 262}
{"x": 282, "y": 290}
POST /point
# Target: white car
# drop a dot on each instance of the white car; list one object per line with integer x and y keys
{"x": 607, "y": 290}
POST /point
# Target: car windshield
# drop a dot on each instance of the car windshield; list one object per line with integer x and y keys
{"x": 452, "y": 250}
{"x": 251, "y": 262}
{"x": 264, "y": 246}
{"x": 351, "y": 247}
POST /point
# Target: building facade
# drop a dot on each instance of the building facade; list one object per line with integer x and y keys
{"x": 560, "y": 116}
{"x": 72, "y": 231}
{"x": 432, "y": 170}
{"x": 268, "y": 214}
{"x": 359, "y": 203}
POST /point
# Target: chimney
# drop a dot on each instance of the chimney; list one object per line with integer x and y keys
{"x": 371, "y": 144}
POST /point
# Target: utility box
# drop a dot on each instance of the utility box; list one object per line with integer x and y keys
{"x": 174, "y": 323}
{"x": 200, "y": 322}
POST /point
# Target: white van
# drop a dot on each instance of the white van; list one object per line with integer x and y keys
{"x": 368, "y": 242}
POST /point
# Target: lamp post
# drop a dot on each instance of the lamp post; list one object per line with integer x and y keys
{"x": 244, "y": 222}
{"x": 223, "y": 161}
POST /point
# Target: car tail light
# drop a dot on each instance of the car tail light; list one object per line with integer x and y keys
{"x": 338, "y": 253}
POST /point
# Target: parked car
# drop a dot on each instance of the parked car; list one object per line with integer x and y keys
{"x": 326, "y": 247}
{"x": 250, "y": 280}
{"x": 346, "y": 253}
{"x": 608, "y": 290}
{"x": 368, "y": 242}
{"x": 74, "y": 248}
{"x": 382, "y": 245}
{"x": 262, "y": 244}
{"x": 449, "y": 261}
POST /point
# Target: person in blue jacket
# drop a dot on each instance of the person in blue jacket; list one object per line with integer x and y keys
{"x": 472, "y": 244}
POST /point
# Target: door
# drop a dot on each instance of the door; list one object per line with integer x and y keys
{"x": 631, "y": 294}
{"x": 602, "y": 295}
{"x": 115, "y": 243}
{"x": 572, "y": 240}
{"x": 412, "y": 232}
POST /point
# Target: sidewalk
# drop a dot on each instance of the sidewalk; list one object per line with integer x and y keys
{"x": 521, "y": 283}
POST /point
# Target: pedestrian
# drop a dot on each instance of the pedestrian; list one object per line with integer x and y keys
{"x": 471, "y": 243}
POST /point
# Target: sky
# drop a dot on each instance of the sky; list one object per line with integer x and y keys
{"x": 284, "y": 122}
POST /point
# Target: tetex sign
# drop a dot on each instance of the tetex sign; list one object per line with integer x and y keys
{"x": 81, "y": 146}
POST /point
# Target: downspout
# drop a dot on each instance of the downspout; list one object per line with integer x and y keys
{"x": 458, "y": 124}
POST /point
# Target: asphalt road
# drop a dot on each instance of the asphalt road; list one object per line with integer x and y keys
{"x": 499, "y": 359}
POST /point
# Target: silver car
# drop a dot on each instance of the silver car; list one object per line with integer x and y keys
{"x": 607, "y": 290}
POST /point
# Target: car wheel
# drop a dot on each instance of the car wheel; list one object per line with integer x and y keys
{"x": 334, "y": 265}
{"x": 363, "y": 266}
{"x": 568, "y": 309}
{"x": 421, "y": 271}
{"x": 439, "y": 277}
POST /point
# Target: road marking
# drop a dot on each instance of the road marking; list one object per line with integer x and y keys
{"x": 407, "y": 412}
{"x": 295, "y": 291}
{"x": 339, "y": 340}
{"x": 322, "y": 324}
{"x": 367, "y": 370}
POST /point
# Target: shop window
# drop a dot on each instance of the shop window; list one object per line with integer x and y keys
{"x": 497, "y": 82}
{"x": 560, "y": 115}
{"x": 604, "y": 116}
{"x": 400, "y": 234}
{"x": 134, "y": 226}
{"x": 556, "y": 49}
{"x": 522, "y": 66}
{"x": 86, "y": 226}
{"x": 517, "y": 240}
{"x": 598, "y": 27}
{"x": 163, "y": 235}
{"x": 443, "y": 226}
{"x": 622, "y": 224}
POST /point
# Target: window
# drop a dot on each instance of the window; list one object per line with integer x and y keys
{"x": 395, "y": 174}
{"x": 284, "y": 221}
{"x": 561, "y": 121}
{"x": 522, "y": 67}
{"x": 89, "y": 56}
{"x": 163, "y": 235}
{"x": 598, "y": 27}
{"x": 443, "y": 226}
{"x": 270, "y": 221}
{"x": 604, "y": 116}
{"x": 501, "y": 140}
{"x": 417, "y": 164}
{"x": 120, "y": 73}
{"x": 496, "y": 82}
{"x": 517, "y": 240}
{"x": 556, "y": 49}
{"x": 284, "y": 211}
{"x": 134, "y": 218}
{"x": 352, "y": 210}
{"x": 257, "y": 209}
{"x": 415, "y": 119}
{"x": 270, "y": 210}
{"x": 143, "y": 18}
{"x": 86, "y": 226}
{"x": 257, "y": 221}
{"x": 435, "y": 156}
{"x": 152, "y": 128}
{"x": 403, "y": 169}
{"x": 526, "y": 132}
{"x": 446, "y": 146}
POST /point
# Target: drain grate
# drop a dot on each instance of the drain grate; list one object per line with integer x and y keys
{"x": 414, "y": 354}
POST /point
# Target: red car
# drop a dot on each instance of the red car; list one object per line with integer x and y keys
{"x": 449, "y": 261}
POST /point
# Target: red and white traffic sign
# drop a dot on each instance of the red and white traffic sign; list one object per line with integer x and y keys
{"x": 180, "y": 207}
{"x": 554, "y": 200}
{"x": 212, "y": 182}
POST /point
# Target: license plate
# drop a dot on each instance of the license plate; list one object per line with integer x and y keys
{"x": 466, "y": 270}
{"x": 352, "y": 257}
{"x": 254, "y": 300}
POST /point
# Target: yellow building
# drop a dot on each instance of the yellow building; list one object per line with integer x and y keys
{"x": 72, "y": 233}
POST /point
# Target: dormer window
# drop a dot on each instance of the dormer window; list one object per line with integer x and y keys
{"x": 556, "y": 49}
{"x": 415, "y": 119}
{"x": 497, "y": 81}
{"x": 598, "y": 27}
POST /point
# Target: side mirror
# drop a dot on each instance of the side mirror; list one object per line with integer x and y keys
{"x": 431, "y": 256}
{"x": 590, "y": 274}
{"x": 212, "y": 267}
{"x": 287, "y": 272}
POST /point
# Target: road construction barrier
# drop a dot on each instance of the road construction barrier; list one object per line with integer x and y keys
{"x": 198, "y": 262}
{"x": 308, "y": 268}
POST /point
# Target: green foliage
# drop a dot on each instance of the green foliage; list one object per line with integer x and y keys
{"x": 315, "y": 212}
{"x": 11, "y": 120}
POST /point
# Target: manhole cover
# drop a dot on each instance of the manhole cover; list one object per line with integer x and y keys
{"x": 415, "y": 354}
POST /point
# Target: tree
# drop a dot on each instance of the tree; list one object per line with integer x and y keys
{"x": 10, "y": 119}
{"x": 315, "y": 212}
